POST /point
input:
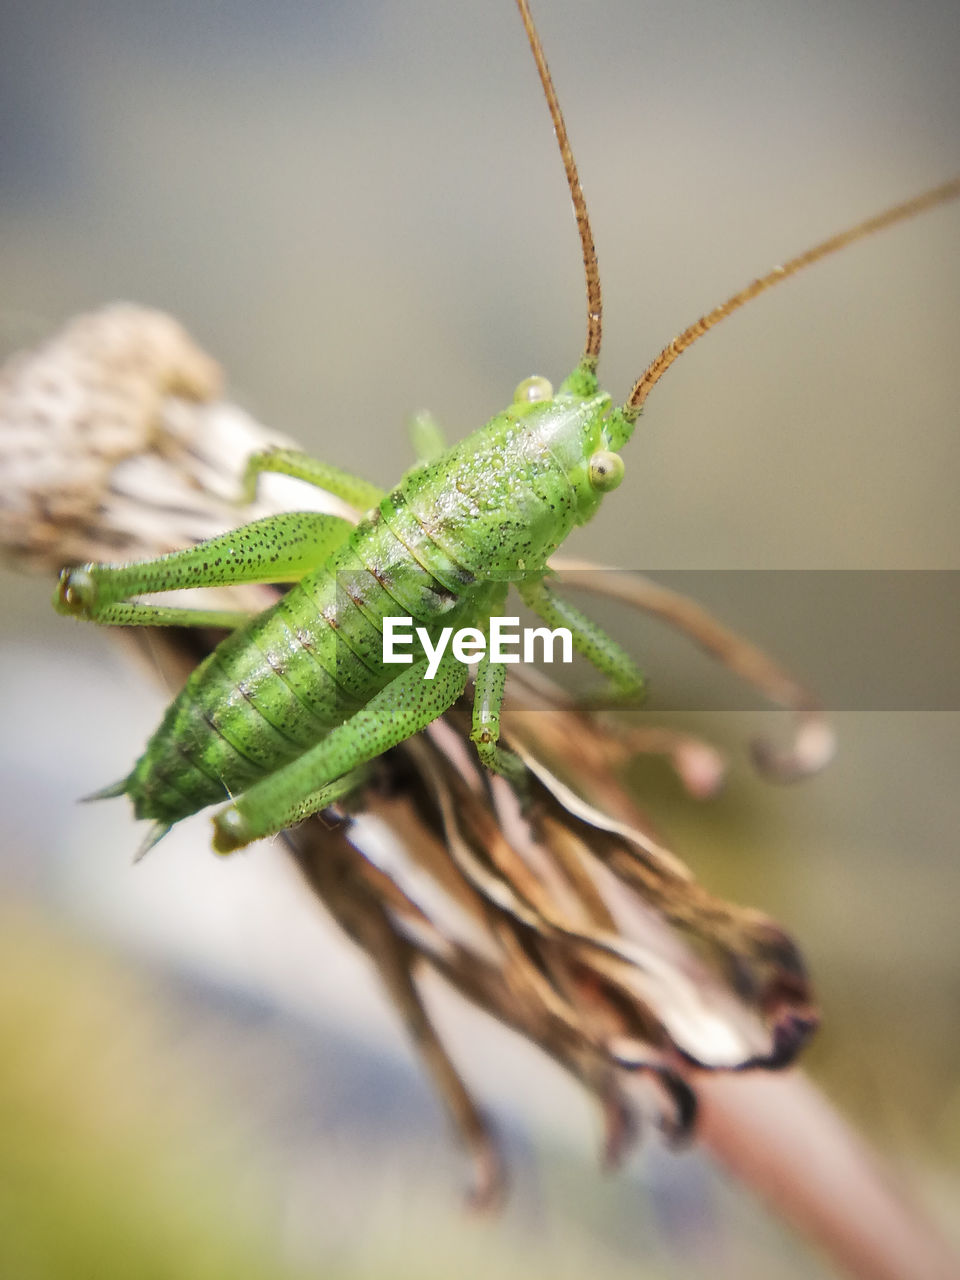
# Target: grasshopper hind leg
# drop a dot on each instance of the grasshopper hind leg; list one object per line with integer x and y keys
{"x": 328, "y": 771}
{"x": 231, "y": 828}
{"x": 278, "y": 548}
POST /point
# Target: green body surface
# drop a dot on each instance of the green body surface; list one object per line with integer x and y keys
{"x": 284, "y": 713}
{"x": 285, "y": 716}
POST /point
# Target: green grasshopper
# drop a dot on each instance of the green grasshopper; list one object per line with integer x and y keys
{"x": 286, "y": 715}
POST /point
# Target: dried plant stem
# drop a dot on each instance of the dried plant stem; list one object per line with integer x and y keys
{"x": 780, "y": 1136}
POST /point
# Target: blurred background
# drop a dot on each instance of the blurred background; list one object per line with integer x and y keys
{"x": 358, "y": 209}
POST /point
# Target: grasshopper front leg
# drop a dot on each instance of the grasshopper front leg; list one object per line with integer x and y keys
{"x": 590, "y": 640}
{"x": 354, "y": 490}
{"x": 485, "y": 731}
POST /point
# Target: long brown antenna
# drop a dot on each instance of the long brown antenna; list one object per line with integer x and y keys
{"x": 591, "y": 350}
{"x": 898, "y": 213}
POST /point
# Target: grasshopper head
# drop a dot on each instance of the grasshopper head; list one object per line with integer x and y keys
{"x": 572, "y": 424}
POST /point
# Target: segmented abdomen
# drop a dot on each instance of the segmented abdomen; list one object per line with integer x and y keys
{"x": 276, "y": 686}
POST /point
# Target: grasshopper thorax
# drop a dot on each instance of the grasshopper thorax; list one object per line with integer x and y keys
{"x": 505, "y": 498}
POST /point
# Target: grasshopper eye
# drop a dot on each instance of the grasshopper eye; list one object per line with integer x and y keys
{"x": 533, "y": 389}
{"x": 606, "y": 470}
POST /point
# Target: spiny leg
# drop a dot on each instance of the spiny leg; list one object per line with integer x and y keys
{"x": 280, "y": 548}
{"x": 354, "y": 490}
{"x": 485, "y": 733}
{"x": 405, "y": 706}
{"x": 589, "y": 639}
{"x": 301, "y": 806}
{"x": 124, "y": 614}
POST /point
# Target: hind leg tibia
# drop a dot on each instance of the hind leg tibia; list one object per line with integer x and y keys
{"x": 405, "y": 706}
